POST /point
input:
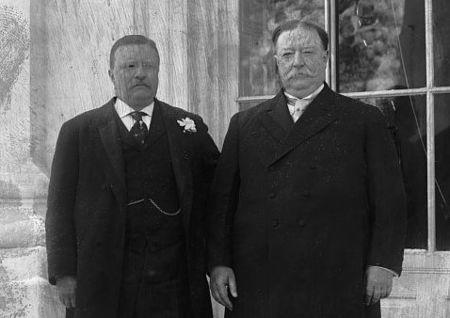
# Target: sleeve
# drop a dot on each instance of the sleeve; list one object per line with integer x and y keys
{"x": 223, "y": 199}
{"x": 387, "y": 200}
{"x": 59, "y": 222}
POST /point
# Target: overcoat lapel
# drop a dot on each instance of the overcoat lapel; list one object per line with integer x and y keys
{"x": 109, "y": 134}
{"x": 276, "y": 118}
{"x": 317, "y": 116}
{"x": 284, "y": 135}
{"x": 271, "y": 128}
{"x": 180, "y": 156}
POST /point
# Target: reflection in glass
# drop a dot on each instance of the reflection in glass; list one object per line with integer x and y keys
{"x": 406, "y": 117}
{"x": 441, "y": 38}
{"x": 258, "y": 19}
{"x": 442, "y": 170}
{"x": 376, "y": 38}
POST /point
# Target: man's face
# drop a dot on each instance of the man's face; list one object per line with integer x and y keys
{"x": 301, "y": 61}
{"x": 135, "y": 74}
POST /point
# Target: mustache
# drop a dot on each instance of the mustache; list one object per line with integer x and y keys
{"x": 300, "y": 74}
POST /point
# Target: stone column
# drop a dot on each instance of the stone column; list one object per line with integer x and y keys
{"x": 23, "y": 186}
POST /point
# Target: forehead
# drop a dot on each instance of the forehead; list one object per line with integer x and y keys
{"x": 298, "y": 37}
{"x": 135, "y": 52}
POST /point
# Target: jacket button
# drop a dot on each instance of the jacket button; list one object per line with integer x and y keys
{"x": 271, "y": 168}
{"x": 313, "y": 167}
{"x": 275, "y": 223}
{"x": 306, "y": 194}
{"x": 272, "y": 195}
{"x": 301, "y": 222}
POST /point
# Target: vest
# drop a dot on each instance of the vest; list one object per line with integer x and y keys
{"x": 154, "y": 247}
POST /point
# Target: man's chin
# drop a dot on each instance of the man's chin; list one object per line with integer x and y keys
{"x": 142, "y": 100}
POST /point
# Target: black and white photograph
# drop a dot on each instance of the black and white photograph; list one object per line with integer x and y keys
{"x": 224, "y": 159}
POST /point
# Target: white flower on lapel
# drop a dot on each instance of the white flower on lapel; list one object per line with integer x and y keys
{"x": 188, "y": 124}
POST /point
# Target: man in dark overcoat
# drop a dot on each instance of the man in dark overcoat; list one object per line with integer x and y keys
{"x": 125, "y": 222}
{"x": 307, "y": 210}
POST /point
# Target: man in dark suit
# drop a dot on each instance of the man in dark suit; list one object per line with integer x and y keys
{"x": 307, "y": 210}
{"x": 125, "y": 220}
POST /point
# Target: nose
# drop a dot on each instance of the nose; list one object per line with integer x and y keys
{"x": 140, "y": 73}
{"x": 299, "y": 59}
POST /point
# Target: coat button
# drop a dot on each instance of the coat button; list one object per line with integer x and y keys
{"x": 272, "y": 195}
{"x": 301, "y": 222}
{"x": 306, "y": 194}
{"x": 275, "y": 223}
{"x": 313, "y": 167}
{"x": 272, "y": 168}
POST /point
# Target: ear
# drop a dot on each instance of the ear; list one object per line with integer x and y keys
{"x": 276, "y": 58}
{"x": 326, "y": 56}
{"x": 111, "y": 75}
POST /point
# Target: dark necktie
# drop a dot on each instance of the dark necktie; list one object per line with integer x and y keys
{"x": 139, "y": 131}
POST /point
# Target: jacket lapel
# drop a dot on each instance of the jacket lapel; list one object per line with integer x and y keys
{"x": 109, "y": 134}
{"x": 317, "y": 116}
{"x": 180, "y": 156}
{"x": 276, "y": 118}
{"x": 156, "y": 130}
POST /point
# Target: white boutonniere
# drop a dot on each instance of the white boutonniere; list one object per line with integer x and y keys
{"x": 188, "y": 125}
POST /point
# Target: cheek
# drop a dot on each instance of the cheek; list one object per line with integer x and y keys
{"x": 316, "y": 66}
{"x": 284, "y": 68}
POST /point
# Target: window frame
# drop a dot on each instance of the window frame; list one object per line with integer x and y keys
{"x": 430, "y": 90}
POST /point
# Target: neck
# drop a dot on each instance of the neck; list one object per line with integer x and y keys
{"x": 138, "y": 105}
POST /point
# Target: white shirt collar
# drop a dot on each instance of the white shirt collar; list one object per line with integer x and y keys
{"x": 310, "y": 97}
{"x": 123, "y": 109}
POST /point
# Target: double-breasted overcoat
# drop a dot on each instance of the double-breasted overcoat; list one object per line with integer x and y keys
{"x": 299, "y": 211}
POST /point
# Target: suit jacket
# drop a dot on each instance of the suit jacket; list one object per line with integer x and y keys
{"x": 85, "y": 222}
{"x": 300, "y": 210}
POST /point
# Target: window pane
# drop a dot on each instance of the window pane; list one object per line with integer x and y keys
{"x": 376, "y": 41}
{"x": 406, "y": 116}
{"x": 442, "y": 170}
{"x": 441, "y": 33}
{"x": 258, "y": 19}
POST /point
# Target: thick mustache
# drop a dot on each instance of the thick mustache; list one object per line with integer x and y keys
{"x": 302, "y": 74}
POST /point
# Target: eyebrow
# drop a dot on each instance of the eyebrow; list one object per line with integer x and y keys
{"x": 293, "y": 48}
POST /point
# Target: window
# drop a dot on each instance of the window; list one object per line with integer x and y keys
{"x": 394, "y": 54}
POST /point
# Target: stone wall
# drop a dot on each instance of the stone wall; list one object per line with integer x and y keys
{"x": 53, "y": 65}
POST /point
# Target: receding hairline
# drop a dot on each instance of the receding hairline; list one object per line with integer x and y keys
{"x": 292, "y": 25}
{"x": 130, "y": 40}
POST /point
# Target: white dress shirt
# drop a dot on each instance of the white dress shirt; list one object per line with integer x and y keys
{"x": 298, "y": 105}
{"x": 124, "y": 111}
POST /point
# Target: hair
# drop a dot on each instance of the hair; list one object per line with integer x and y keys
{"x": 294, "y": 24}
{"x": 132, "y": 39}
